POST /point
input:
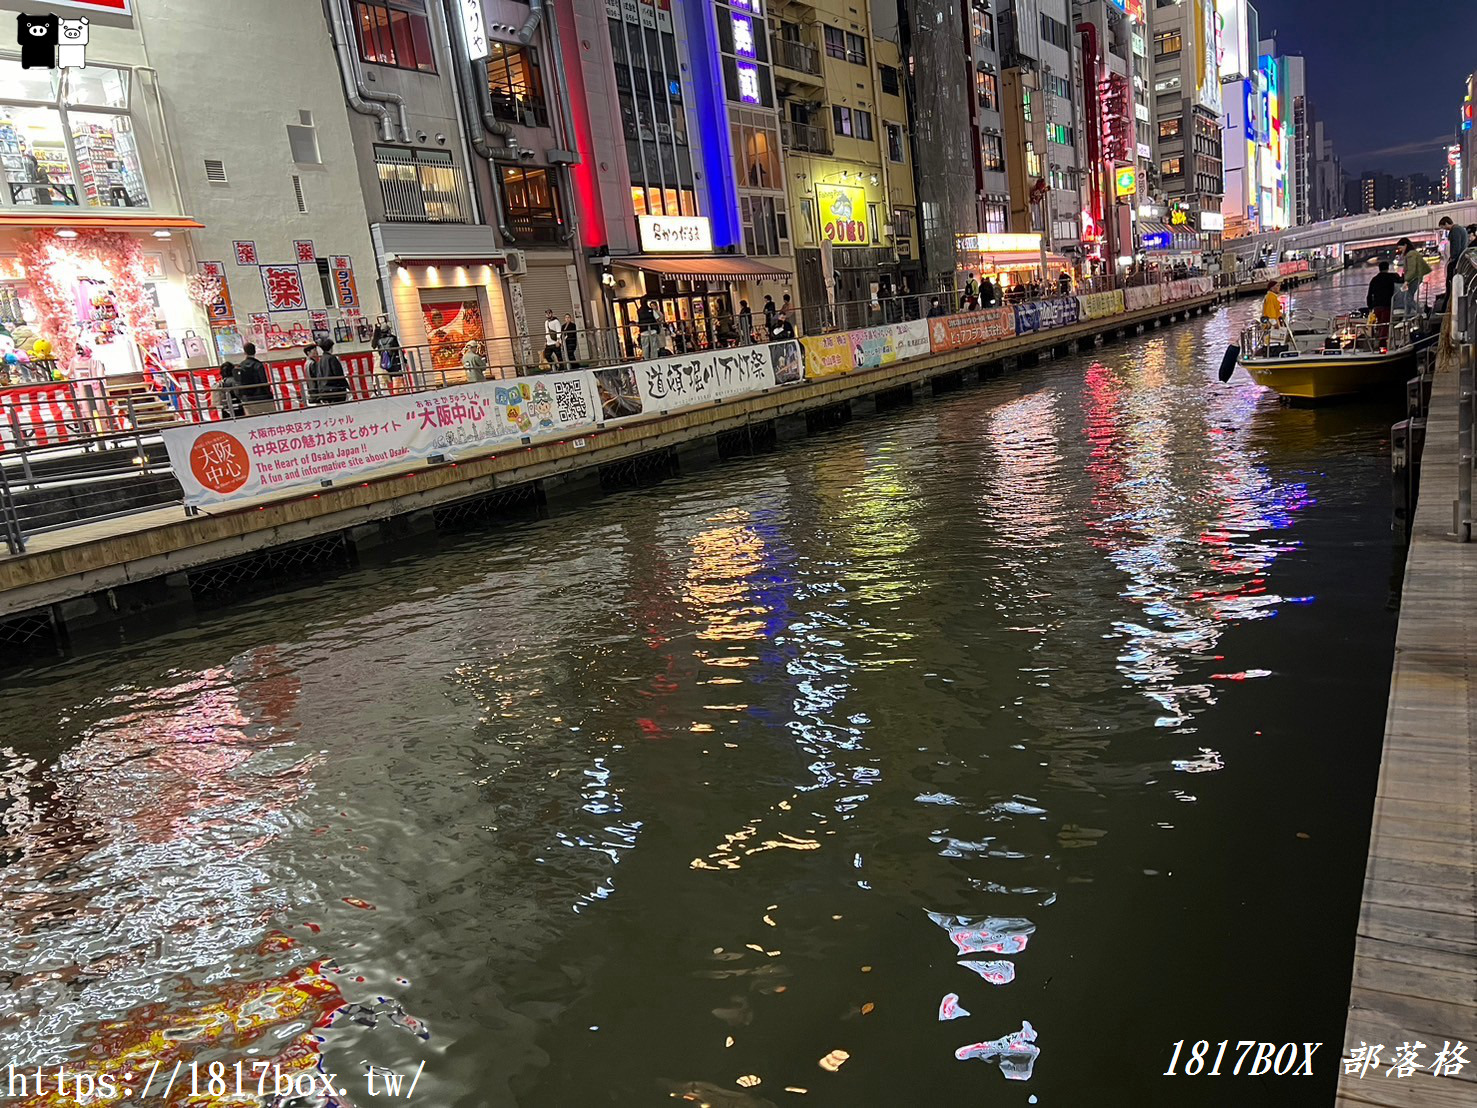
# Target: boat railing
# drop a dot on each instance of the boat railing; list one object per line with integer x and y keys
{"x": 1350, "y": 333}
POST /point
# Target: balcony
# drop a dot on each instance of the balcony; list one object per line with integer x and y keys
{"x": 422, "y": 192}
{"x": 797, "y": 57}
{"x": 807, "y": 138}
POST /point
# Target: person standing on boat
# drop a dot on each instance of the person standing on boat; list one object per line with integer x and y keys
{"x": 1417, "y": 269}
{"x": 1272, "y": 304}
{"x": 1380, "y": 297}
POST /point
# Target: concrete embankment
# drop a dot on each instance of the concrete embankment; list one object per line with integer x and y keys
{"x": 90, "y": 578}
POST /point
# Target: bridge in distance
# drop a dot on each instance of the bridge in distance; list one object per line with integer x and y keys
{"x": 1370, "y": 233}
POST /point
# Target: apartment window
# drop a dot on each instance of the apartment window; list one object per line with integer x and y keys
{"x": 895, "y": 142}
{"x": 1172, "y": 167}
{"x": 1167, "y": 44}
{"x": 1055, "y": 32}
{"x": 995, "y": 216}
{"x": 982, "y": 27}
{"x": 1059, "y": 87}
{"x": 902, "y": 223}
{"x": 1171, "y": 128}
{"x": 889, "y": 77}
{"x": 1027, "y": 108}
{"x": 655, "y": 201}
{"x": 420, "y": 186}
{"x": 394, "y": 33}
{"x": 758, "y": 152}
{"x": 1059, "y": 133}
{"x": 987, "y": 86}
{"x": 516, "y": 85}
{"x": 835, "y": 43}
{"x": 766, "y": 226}
{"x": 532, "y": 203}
{"x": 856, "y": 49}
{"x": 851, "y": 121}
{"x": 993, "y": 149}
{"x": 1167, "y": 84}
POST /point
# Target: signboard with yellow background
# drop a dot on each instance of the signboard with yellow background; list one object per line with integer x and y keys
{"x": 843, "y": 211}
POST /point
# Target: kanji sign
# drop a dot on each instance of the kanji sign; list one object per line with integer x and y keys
{"x": 345, "y": 292}
{"x": 284, "y": 285}
{"x": 303, "y": 250}
{"x": 245, "y": 253}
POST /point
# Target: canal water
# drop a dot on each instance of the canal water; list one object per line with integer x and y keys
{"x": 1052, "y": 706}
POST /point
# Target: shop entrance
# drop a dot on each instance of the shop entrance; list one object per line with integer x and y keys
{"x": 691, "y": 311}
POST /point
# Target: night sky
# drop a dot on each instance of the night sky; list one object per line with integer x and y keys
{"x": 1385, "y": 76}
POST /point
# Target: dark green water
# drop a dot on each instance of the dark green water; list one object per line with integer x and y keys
{"x": 1093, "y": 657}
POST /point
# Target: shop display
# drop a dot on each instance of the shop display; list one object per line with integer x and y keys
{"x": 449, "y": 327}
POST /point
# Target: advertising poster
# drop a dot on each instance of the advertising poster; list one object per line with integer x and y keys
{"x": 284, "y": 288}
{"x": 828, "y": 355}
{"x": 959, "y": 332}
{"x": 345, "y": 292}
{"x": 245, "y": 253}
{"x": 843, "y": 214}
{"x": 303, "y": 250}
{"x": 682, "y": 382}
{"x": 217, "y": 463}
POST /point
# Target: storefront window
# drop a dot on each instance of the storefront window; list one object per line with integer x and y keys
{"x": 450, "y": 325}
{"x": 109, "y": 174}
{"x": 78, "y": 149}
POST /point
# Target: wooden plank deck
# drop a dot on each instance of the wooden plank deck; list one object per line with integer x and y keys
{"x": 1415, "y": 958}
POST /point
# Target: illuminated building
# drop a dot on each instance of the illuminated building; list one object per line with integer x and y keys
{"x": 849, "y": 179}
{"x": 1464, "y": 185}
{"x": 1187, "y": 113}
{"x": 1241, "y": 100}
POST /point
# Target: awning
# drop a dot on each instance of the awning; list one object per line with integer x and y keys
{"x": 706, "y": 268}
{"x": 1153, "y": 227}
{"x": 113, "y": 222}
{"x": 1010, "y": 260}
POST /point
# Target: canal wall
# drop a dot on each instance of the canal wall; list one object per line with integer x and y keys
{"x": 1415, "y": 954}
{"x": 90, "y": 580}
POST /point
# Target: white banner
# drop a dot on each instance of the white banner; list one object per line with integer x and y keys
{"x": 646, "y": 388}
{"x": 892, "y": 342}
{"x": 221, "y": 462}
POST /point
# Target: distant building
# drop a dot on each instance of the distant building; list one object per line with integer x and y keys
{"x": 1187, "y": 114}
{"x": 1377, "y": 192}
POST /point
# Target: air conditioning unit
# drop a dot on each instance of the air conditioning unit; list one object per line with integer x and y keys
{"x": 516, "y": 265}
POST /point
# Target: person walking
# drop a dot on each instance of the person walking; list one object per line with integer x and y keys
{"x": 256, "y": 387}
{"x": 745, "y": 323}
{"x": 770, "y": 311}
{"x": 474, "y": 361}
{"x": 553, "y": 338}
{"x": 987, "y": 293}
{"x": 391, "y": 359}
{"x": 1379, "y": 298}
{"x": 309, "y": 390}
{"x": 328, "y": 372}
{"x": 1064, "y": 283}
{"x": 571, "y": 340}
{"x": 651, "y": 331}
{"x": 226, "y": 396}
{"x": 971, "y": 290}
{"x": 1456, "y": 246}
{"x": 1417, "y": 269}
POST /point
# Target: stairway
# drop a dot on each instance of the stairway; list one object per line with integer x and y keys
{"x": 150, "y": 411}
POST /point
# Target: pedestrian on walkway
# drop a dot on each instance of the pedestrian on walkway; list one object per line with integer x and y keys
{"x": 770, "y": 311}
{"x": 328, "y": 373}
{"x": 474, "y": 361}
{"x": 1456, "y": 246}
{"x": 745, "y": 323}
{"x": 225, "y": 398}
{"x": 649, "y": 326}
{"x": 553, "y": 338}
{"x": 1417, "y": 269}
{"x": 971, "y": 291}
{"x": 256, "y": 387}
{"x": 1064, "y": 283}
{"x": 987, "y": 293}
{"x": 309, "y": 389}
{"x": 571, "y": 340}
{"x": 935, "y": 308}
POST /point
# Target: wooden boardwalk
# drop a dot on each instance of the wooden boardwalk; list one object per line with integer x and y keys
{"x": 1415, "y": 958}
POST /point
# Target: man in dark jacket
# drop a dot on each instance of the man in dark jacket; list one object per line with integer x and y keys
{"x": 256, "y": 389}
{"x": 328, "y": 374}
{"x": 1381, "y": 295}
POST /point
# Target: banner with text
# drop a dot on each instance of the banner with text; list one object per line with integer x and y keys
{"x": 221, "y": 462}
{"x": 1138, "y": 297}
{"x": 958, "y": 332}
{"x": 828, "y": 355}
{"x": 1101, "y": 305}
{"x": 646, "y": 388}
{"x": 1063, "y": 311}
{"x": 893, "y": 342}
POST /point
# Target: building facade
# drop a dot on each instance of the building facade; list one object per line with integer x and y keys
{"x": 1187, "y": 116}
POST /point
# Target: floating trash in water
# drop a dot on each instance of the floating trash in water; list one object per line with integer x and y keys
{"x": 1016, "y": 1053}
{"x": 936, "y": 798}
{"x": 986, "y": 934}
{"x": 1244, "y": 675}
{"x": 749, "y": 1080}
{"x": 949, "y": 1008}
{"x": 834, "y": 1061}
{"x": 996, "y": 973}
{"x": 368, "y": 1015}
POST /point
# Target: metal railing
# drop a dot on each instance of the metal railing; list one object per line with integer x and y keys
{"x": 1463, "y": 323}
{"x": 807, "y": 137}
{"x": 419, "y": 192}
{"x": 799, "y": 56}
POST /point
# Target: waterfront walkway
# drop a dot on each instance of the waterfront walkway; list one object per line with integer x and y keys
{"x": 1415, "y": 961}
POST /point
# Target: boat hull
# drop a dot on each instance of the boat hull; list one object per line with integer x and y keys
{"x": 1320, "y": 377}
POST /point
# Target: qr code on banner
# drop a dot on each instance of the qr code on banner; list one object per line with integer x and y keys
{"x": 570, "y": 402}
